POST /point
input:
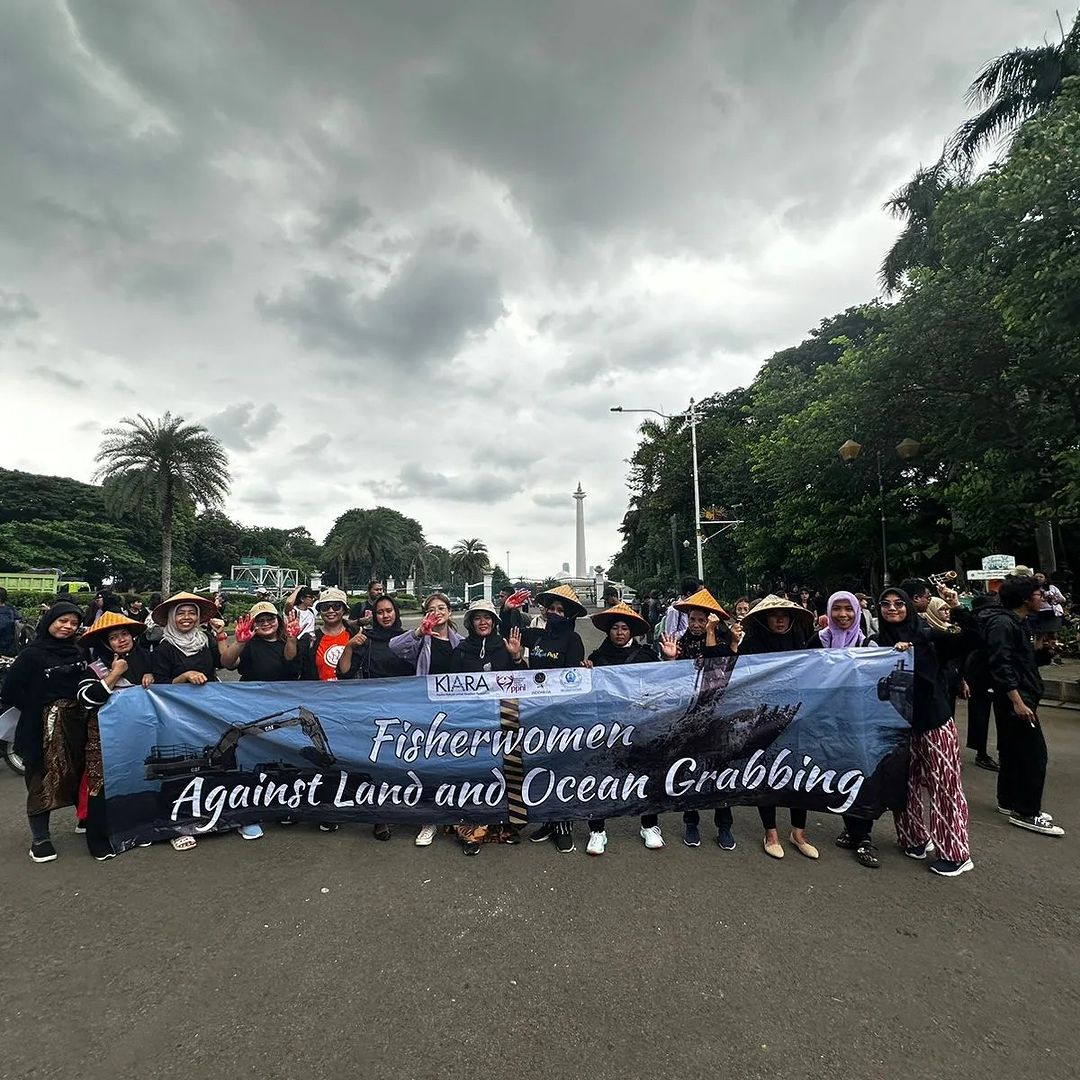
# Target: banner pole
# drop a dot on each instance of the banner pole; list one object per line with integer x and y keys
{"x": 510, "y": 720}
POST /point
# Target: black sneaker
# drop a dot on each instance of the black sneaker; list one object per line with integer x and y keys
{"x": 42, "y": 851}
{"x": 381, "y": 832}
{"x": 691, "y": 835}
{"x": 80, "y": 827}
{"x": 948, "y": 868}
{"x": 725, "y": 838}
{"x": 564, "y": 837}
{"x": 985, "y": 761}
{"x": 103, "y": 855}
{"x": 545, "y": 832}
{"x": 471, "y": 848}
{"x": 513, "y": 836}
{"x": 919, "y": 851}
{"x": 845, "y": 841}
{"x": 328, "y": 828}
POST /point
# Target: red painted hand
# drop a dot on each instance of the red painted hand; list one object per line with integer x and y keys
{"x": 515, "y": 600}
{"x": 244, "y": 628}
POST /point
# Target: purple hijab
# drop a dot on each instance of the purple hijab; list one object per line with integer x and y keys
{"x": 832, "y": 637}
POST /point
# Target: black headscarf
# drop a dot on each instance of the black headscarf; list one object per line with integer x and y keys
{"x": 28, "y": 688}
{"x": 758, "y": 638}
{"x": 384, "y": 633}
{"x": 912, "y": 629}
{"x": 138, "y": 660}
{"x": 610, "y": 654}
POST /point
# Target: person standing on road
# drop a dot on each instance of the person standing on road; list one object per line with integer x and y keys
{"x": 9, "y": 625}
{"x": 186, "y": 652}
{"x": 935, "y": 747}
{"x": 556, "y": 645}
{"x": 622, "y": 624}
{"x": 430, "y": 650}
{"x": 1014, "y": 662}
{"x": 302, "y": 601}
{"x": 980, "y": 686}
{"x": 772, "y": 626}
{"x": 844, "y": 631}
{"x": 50, "y": 735}
{"x": 116, "y": 663}
{"x": 265, "y": 647}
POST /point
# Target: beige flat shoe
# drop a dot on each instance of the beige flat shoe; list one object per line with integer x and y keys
{"x": 775, "y": 850}
{"x": 804, "y": 847}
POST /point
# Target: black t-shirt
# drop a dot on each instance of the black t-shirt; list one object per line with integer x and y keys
{"x": 169, "y": 661}
{"x": 264, "y": 661}
{"x": 547, "y": 650}
{"x": 442, "y": 656}
{"x": 374, "y": 660}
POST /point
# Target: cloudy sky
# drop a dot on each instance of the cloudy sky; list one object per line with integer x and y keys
{"x": 410, "y": 253}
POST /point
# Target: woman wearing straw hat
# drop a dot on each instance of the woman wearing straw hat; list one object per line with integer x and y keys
{"x": 186, "y": 652}
{"x": 622, "y": 624}
{"x": 556, "y": 645}
{"x": 116, "y": 662}
{"x": 430, "y": 649}
{"x": 773, "y": 626}
{"x": 705, "y": 637}
{"x": 484, "y": 649}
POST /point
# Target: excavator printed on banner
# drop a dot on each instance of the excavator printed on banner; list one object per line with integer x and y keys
{"x": 169, "y": 762}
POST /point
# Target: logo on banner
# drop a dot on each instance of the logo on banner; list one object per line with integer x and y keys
{"x": 517, "y": 684}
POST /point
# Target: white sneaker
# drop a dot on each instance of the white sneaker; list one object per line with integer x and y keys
{"x": 250, "y": 832}
{"x": 652, "y": 837}
{"x": 425, "y": 836}
{"x": 597, "y": 843}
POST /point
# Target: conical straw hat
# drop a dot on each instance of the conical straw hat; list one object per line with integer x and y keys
{"x": 774, "y": 603}
{"x": 113, "y": 620}
{"x": 207, "y": 608}
{"x": 702, "y": 599}
{"x": 564, "y": 592}
{"x": 620, "y": 612}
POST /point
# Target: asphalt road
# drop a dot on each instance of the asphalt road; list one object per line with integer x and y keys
{"x": 332, "y": 955}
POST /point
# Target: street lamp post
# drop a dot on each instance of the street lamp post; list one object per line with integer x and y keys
{"x": 697, "y": 485}
{"x": 906, "y": 449}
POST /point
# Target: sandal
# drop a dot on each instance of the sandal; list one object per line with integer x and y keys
{"x": 182, "y": 843}
{"x": 866, "y": 855}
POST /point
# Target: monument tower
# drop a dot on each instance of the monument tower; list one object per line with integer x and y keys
{"x": 579, "y": 562}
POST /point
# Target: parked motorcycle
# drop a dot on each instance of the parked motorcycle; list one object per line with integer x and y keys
{"x": 11, "y": 759}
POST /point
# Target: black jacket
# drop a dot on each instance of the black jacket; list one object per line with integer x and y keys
{"x": 1011, "y": 655}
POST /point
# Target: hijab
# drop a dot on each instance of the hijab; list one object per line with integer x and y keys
{"x": 758, "y": 638}
{"x": 609, "y": 654}
{"x": 53, "y": 650}
{"x": 189, "y": 642}
{"x": 832, "y": 636}
{"x": 911, "y": 629}
{"x": 937, "y": 615}
{"x": 384, "y": 633}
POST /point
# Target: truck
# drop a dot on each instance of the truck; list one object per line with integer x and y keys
{"x": 48, "y": 582}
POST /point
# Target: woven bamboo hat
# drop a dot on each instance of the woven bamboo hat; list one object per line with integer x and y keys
{"x": 788, "y": 607}
{"x": 575, "y": 609}
{"x": 704, "y": 600}
{"x": 620, "y": 612}
{"x": 111, "y": 620}
{"x": 207, "y": 608}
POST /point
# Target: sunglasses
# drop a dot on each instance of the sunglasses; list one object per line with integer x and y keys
{"x": 265, "y": 620}
{"x": 893, "y": 604}
{"x": 333, "y": 607}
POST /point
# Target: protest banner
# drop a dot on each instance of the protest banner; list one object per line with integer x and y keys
{"x": 823, "y": 729}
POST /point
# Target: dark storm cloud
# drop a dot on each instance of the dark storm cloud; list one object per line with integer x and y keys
{"x": 416, "y": 480}
{"x": 15, "y": 307}
{"x": 61, "y": 378}
{"x": 338, "y": 219}
{"x": 440, "y": 297}
{"x": 242, "y": 426}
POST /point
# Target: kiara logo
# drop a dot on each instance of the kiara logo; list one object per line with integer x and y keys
{"x": 461, "y": 684}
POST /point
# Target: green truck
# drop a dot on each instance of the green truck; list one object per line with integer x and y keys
{"x": 49, "y": 583}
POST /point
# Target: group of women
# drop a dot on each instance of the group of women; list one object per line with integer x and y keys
{"x": 60, "y": 681}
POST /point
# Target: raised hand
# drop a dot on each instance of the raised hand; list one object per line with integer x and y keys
{"x": 245, "y": 628}
{"x": 669, "y": 647}
{"x": 358, "y": 639}
{"x": 429, "y": 623}
{"x": 118, "y": 666}
{"x": 292, "y": 625}
{"x": 217, "y": 625}
{"x": 516, "y": 599}
{"x": 513, "y": 643}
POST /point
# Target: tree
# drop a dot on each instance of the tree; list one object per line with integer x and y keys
{"x": 421, "y": 558}
{"x": 368, "y": 538}
{"x": 167, "y": 464}
{"x": 1012, "y": 88}
{"x": 469, "y": 558}
{"x": 918, "y": 244}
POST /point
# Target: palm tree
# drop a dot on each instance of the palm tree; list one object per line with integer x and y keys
{"x": 169, "y": 463}
{"x": 469, "y": 558}
{"x": 1012, "y": 88}
{"x": 420, "y": 557}
{"x": 915, "y": 204}
{"x": 366, "y": 537}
